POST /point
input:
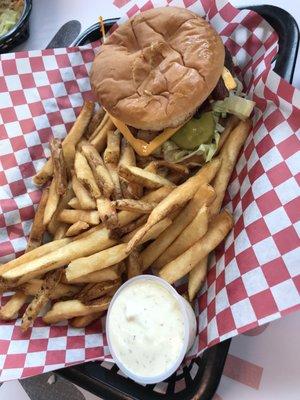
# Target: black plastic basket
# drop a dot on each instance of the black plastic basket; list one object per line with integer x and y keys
{"x": 19, "y": 33}
{"x": 200, "y": 378}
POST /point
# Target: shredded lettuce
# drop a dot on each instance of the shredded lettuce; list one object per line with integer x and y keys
{"x": 8, "y": 19}
{"x": 234, "y": 104}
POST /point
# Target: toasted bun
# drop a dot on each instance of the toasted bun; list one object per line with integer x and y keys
{"x": 157, "y": 68}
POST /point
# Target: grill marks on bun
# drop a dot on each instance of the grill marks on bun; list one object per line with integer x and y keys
{"x": 157, "y": 68}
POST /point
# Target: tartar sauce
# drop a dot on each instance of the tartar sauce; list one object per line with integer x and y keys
{"x": 146, "y": 328}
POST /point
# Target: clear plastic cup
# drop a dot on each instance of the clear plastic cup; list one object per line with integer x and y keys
{"x": 189, "y": 332}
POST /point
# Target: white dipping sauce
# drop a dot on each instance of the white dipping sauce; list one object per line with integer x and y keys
{"x": 146, "y": 328}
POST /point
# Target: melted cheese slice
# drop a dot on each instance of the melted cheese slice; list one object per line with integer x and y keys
{"x": 141, "y": 147}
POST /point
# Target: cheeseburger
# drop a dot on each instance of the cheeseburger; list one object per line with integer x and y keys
{"x": 168, "y": 84}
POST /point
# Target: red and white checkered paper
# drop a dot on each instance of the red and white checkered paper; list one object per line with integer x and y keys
{"x": 254, "y": 277}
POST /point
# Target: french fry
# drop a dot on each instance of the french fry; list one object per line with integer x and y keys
{"x": 229, "y": 155}
{"x": 107, "y": 274}
{"x": 52, "y": 203}
{"x": 117, "y": 233}
{"x": 95, "y": 262}
{"x": 107, "y": 212}
{"x": 82, "y": 194}
{"x": 99, "y": 126}
{"x": 12, "y": 307}
{"x": 34, "y": 254}
{"x": 59, "y": 166}
{"x": 196, "y": 278}
{"x": 153, "y": 166}
{"x": 180, "y": 195}
{"x": 134, "y": 205}
{"x": 77, "y": 228}
{"x": 205, "y": 195}
{"x": 85, "y": 246}
{"x": 75, "y": 204}
{"x": 61, "y": 231}
{"x": 72, "y": 216}
{"x": 95, "y": 122}
{"x": 85, "y": 320}
{"x": 100, "y": 171}
{"x": 85, "y": 175}
{"x": 68, "y": 309}
{"x": 99, "y": 141}
{"x": 63, "y": 203}
{"x": 133, "y": 265}
{"x": 153, "y": 232}
{"x": 111, "y": 154}
{"x": 70, "y": 141}
{"x": 32, "y": 287}
{"x": 183, "y": 264}
{"x": 95, "y": 290}
{"x": 41, "y": 299}
{"x": 190, "y": 235}
{"x": 38, "y": 228}
{"x": 143, "y": 177}
{"x": 231, "y": 123}
{"x": 131, "y": 190}
{"x": 113, "y": 171}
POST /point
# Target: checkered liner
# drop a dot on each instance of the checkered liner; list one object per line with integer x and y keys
{"x": 254, "y": 277}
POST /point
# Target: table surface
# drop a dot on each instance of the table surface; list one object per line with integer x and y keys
{"x": 261, "y": 365}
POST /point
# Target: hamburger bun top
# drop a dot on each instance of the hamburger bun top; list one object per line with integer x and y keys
{"x": 157, "y": 68}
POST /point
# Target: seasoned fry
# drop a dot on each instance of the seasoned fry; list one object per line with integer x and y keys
{"x": 100, "y": 139}
{"x": 196, "y": 278}
{"x": 70, "y": 141}
{"x": 72, "y": 216}
{"x": 95, "y": 122}
{"x": 32, "y": 287}
{"x": 153, "y": 232}
{"x": 85, "y": 320}
{"x": 38, "y": 227}
{"x": 59, "y": 166}
{"x": 134, "y": 205}
{"x": 99, "y": 126}
{"x": 61, "y": 231}
{"x": 63, "y": 310}
{"x": 41, "y": 298}
{"x": 107, "y": 213}
{"x": 85, "y": 175}
{"x": 104, "y": 275}
{"x": 190, "y": 235}
{"x": 143, "y": 177}
{"x": 205, "y": 195}
{"x": 100, "y": 171}
{"x": 85, "y": 200}
{"x": 95, "y": 262}
{"x": 229, "y": 155}
{"x": 52, "y": 203}
{"x": 133, "y": 265}
{"x": 180, "y": 195}
{"x": 12, "y": 307}
{"x": 87, "y": 245}
{"x": 95, "y": 290}
{"x": 77, "y": 228}
{"x": 63, "y": 203}
{"x": 74, "y": 203}
{"x": 111, "y": 154}
{"x": 183, "y": 264}
{"x": 113, "y": 171}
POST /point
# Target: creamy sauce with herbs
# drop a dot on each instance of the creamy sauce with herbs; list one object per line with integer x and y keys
{"x": 146, "y": 328}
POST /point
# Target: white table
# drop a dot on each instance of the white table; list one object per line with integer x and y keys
{"x": 260, "y": 367}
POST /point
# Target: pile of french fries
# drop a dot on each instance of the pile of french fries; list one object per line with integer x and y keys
{"x": 113, "y": 215}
